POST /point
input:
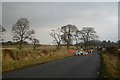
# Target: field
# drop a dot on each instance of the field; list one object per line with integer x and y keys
{"x": 13, "y": 58}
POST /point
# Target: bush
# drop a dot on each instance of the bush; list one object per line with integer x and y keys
{"x": 108, "y": 67}
{"x": 112, "y": 50}
{"x": 8, "y": 53}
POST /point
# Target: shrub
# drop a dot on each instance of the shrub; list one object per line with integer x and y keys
{"x": 9, "y": 53}
{"x": 112, "y": 50}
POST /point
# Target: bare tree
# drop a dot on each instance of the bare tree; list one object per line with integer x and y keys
{"x": 2, "y": 30}
{"x": 77, "y": 37}
{"x": 56, "y": 34}
{"x": 21, "y": 31}
{"x": 68, "y": 31}
{"x": 87, "y": 34}
{"x": 35, "y": 43}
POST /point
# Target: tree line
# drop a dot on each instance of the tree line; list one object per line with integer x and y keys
{"x": 65, "y": 35}
{"x": 70, "y": 33}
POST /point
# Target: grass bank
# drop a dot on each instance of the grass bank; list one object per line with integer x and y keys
{"x": 17, "y": 59}
{"x": 109, "y": 66}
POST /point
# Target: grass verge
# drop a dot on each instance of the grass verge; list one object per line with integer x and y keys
{"x": 109, "y": 66}
{"x": 29, "y": 58}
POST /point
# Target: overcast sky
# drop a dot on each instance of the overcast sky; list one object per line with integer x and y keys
{"x": 45, "y": 16}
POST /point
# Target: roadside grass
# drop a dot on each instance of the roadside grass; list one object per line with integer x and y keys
{"x": 16, "y": 59}
{"x": 109, "y": 66}
{"x": 119, "y": 63}
{"x": 0, "y": 60}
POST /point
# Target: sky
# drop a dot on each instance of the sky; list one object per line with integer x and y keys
{"x": 0, "y": 12}
{"x": 60, "y": 0}
{"x": 46, "y": 16}
{"x": 118, "y": 21}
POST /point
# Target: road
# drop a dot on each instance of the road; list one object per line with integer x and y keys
{"x": 70, "y": 67}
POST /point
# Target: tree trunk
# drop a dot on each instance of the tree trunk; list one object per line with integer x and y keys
{"x": 76, "y": 45}
{"x": 20, "y": 44}
{"x": 58, "y": 45}
{"x": 34, "y": 47}
{"x": 67, "y": 45}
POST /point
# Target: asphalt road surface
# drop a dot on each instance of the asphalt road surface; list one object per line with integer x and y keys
{"x": 70, "y": 67}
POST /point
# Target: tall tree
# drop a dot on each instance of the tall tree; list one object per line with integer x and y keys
{"x": 56, "y": 34}
{"x": 68, "y": 31}
{"x": 87, "y": 34}
{"x": 21, "y": 31}
{"x": 2, "y": 30}
{"x": 77, "y": 38}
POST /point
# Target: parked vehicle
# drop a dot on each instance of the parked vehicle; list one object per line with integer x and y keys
{"x": 81, "y": 52}
{"x": 78, "y": 53}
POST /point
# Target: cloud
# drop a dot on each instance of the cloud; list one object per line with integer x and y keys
{"x": 60, "y": 0}
{"x": 0, "y": 12}
{"x": 45, "y": 16}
